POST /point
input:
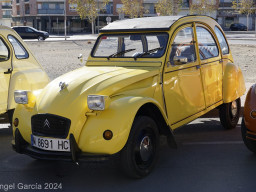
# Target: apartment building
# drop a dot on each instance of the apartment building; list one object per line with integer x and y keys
{"x": 226, "y": 16}
{"x": 48, "y": 15}
{"x": 5, "y": 12}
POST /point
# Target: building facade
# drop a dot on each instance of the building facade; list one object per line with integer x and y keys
{"x": 226, "y": 16}
{"x": 6, "y": 13}
{"x": 48, "y": 15}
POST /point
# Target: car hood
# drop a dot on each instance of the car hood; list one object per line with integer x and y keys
{"x": 87, "y": 81}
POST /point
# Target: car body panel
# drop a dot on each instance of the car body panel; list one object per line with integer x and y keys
{"x": 249, "y": 106}
{"x": 180, "y": 92}
{"x": 25, "y": 74}
{"x": 233, "y": 83}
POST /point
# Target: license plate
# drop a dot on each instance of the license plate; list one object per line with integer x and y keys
{"x": 50, "y": 144}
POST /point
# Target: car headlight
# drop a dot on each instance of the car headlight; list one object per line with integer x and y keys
{"x": 21, "y": 97}
{"x": 97, "y": 102}
{"x": 27, "y": 98}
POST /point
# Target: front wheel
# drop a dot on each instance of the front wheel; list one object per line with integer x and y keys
{"x": 140, "y": 153}
{"x": 229, "y": 114}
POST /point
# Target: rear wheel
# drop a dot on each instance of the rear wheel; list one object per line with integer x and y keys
{"x": 229, "y": 114}
{"x": 40, "y": 38}
{"x": 140, "y": 153}
{"x": 250, "y": 144}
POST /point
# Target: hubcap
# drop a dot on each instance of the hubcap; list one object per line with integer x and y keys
{"x": 145, "y": 148}
{"x": 234, "y": 108}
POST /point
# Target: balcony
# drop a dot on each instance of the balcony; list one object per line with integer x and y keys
{"x": 225, "y": 5}
{"x": 7, "y": 16}
{"x": 51, "y": 11}
{"x": 6, "y": 6}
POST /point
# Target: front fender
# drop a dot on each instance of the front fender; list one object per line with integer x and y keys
{"x": 233, "y": 83}
{"x": 118, "y": 118}
{"x": 30, "y": 79}
{"x": 249, "y": 106}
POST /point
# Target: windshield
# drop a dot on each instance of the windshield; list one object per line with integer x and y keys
{"x": 131, "y": 45}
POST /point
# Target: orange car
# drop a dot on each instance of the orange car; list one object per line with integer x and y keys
{"x": 249, "y": 120}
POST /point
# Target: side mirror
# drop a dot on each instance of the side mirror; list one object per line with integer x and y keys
{"x": 179, "y": 60}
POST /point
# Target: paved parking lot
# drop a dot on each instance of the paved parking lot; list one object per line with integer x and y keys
{"x": 208, "y": 159}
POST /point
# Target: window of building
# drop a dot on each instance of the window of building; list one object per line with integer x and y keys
{"x": 52, "y": 6}
{"x": 72, "y": 7}
{"x": 61, "y": 6}
{"x": 7, "y": 13}
{"x": 185, "y": 3}
{"x": 149, "y": 8}
{"x": 39, "y": 6}
{"x": 206, "y": 44}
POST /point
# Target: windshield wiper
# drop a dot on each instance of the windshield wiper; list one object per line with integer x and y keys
{"x": 120, "y": 52}
{"x": 147, "y": 52}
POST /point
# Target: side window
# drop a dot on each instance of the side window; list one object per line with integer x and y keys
{"x": 206, "y": 44}
{"x": 183, "y": 45}
{"x": 29, "y": 30}
{"x": 19, "y": 50}
{"x": 222, "y": 41}
{"x": 4, "y": 51}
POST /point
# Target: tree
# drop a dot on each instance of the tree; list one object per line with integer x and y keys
{"x": 168, "y": 7}
{"x": 132, "y": 8}
{"x": 203, "y": 7}
{"x": 244, "y": 7}
{"x": 89, "y": 9}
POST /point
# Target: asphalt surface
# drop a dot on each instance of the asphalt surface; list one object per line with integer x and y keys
{"x": 208, "y": 159}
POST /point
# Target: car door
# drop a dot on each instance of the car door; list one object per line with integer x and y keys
{"x": 22, "y": 32}
{"x": 5, "y": 73}
{"x": 183, "y": 89}
{"x": 211, "y": 65}
{"x": 31, "y": 34}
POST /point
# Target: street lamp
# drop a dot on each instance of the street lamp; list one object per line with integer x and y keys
{"x": 65, "y": 20}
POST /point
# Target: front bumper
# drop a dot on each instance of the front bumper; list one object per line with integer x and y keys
{"x": 75, "y": 155}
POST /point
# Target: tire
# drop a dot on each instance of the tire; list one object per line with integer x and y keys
{"x": 229, "y": 114}
{"x": 140, "y": 154}
{"x": 40, "y": 38}
{"x": 250, "y": 144}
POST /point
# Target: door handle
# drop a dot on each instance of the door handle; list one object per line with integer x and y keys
{"x": 198, "y": 66}
{"x": 8, "y": 71}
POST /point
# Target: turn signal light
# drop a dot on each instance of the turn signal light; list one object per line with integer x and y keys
{"x": 107, "y": 134}
{"x": 16, "y": 122}
{"x": 253, "y": 114}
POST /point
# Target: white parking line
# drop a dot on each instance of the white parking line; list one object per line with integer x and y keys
{"x": 213, "y": 143}
{"x": 4, "y": 126}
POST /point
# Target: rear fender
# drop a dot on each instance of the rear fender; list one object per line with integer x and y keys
{"x": 233, "y": 83}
